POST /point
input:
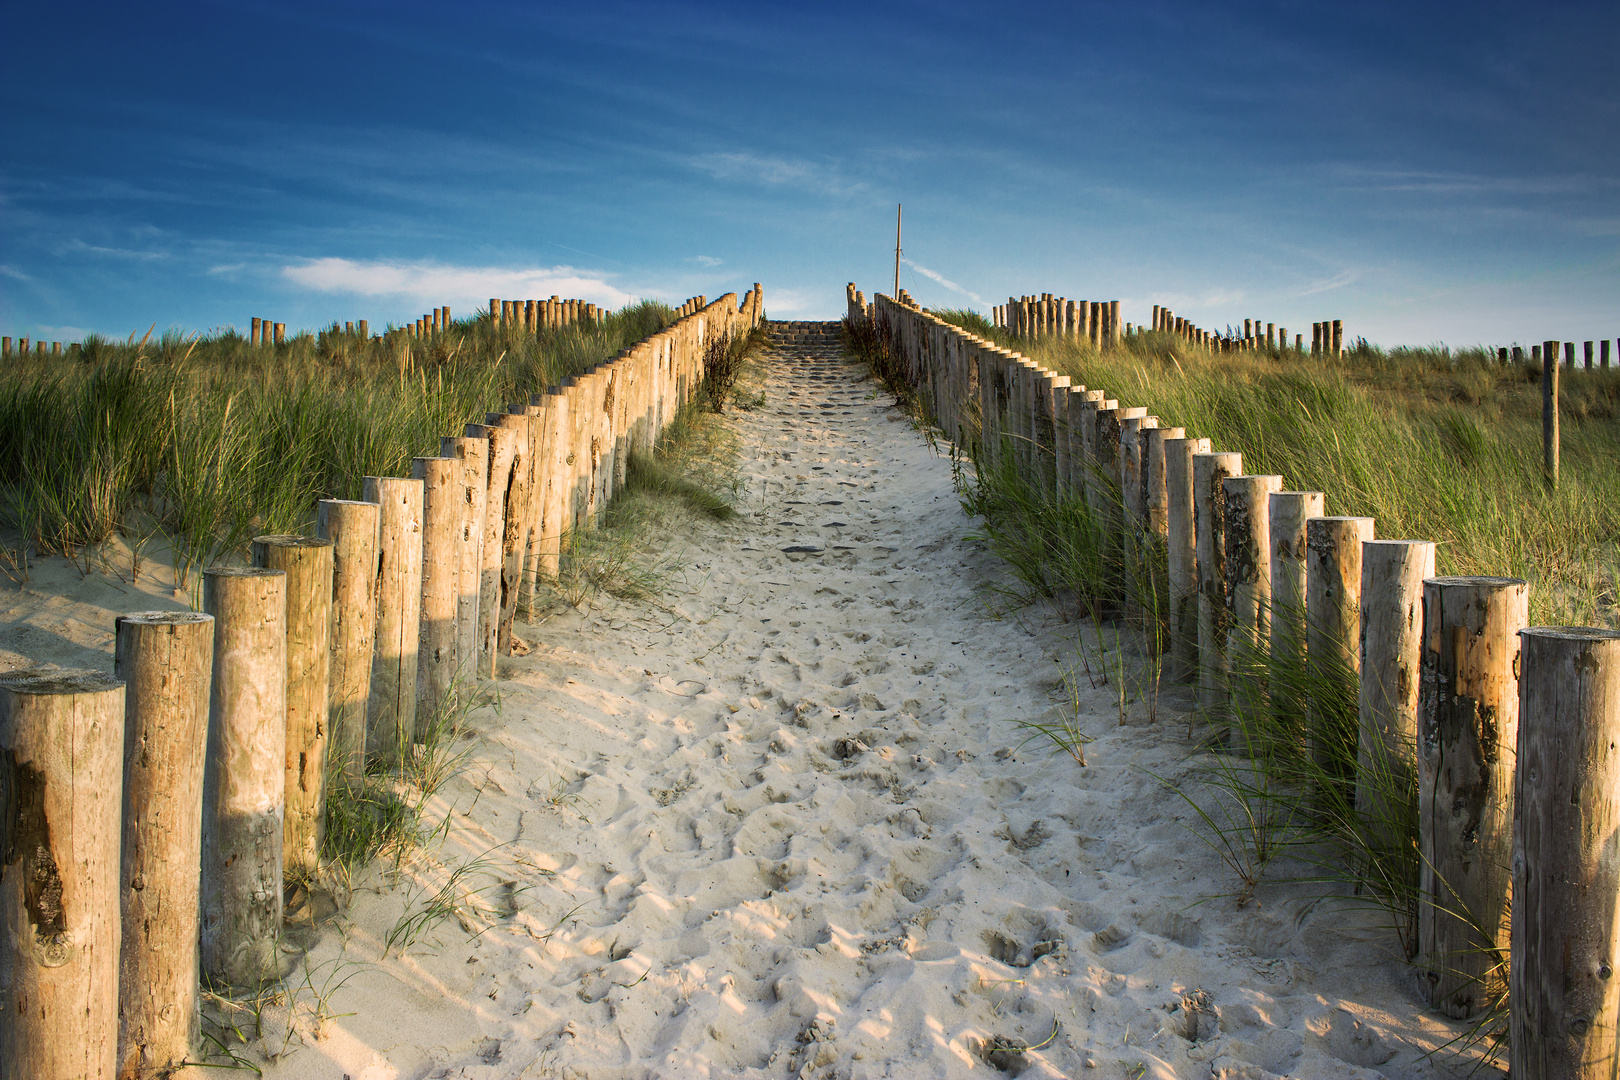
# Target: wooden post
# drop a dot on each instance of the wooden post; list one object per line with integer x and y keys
{"x": 364, "y": 327}
{"x": 256, "y": 332}
{"x": 1564, "y": 991}
{"x": 1113, "y": 322}
{"x": 1333, "y": 652}
{"x": 281, "y": 333}
{"x": 391, "y": 712}
{"x": 244, "y": 785}
{"x": 1588, "y": 355}
{"x": 1392, "y": 576}
{"x": 61, "y": 741}
{"x": 307, "y": 562}
{"x": 515, "y": 526}
{"x": 1338, "y": 338}
{"x": 1549, "y": 413}
{"x": 165, "y": 659}
{"x": 1155, "y": 534}
{"x": 494, "y": 552}
{"x": 494, "y": 311}
{"x": 1210, "y": 471}
{"x": 1468, "y": 724}
{"x": 444, "y": 508}
{"x": 1604, "y": 353}
{"x": 1290, "y": 510}
{"x": 472, "y": 481}
{"x": 1181, "y": 555}
{"x": 1132, "y": 490}
{"x": 1247, "y": 522}
{"x": 352, "y": 527}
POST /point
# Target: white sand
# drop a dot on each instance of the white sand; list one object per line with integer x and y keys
{"x": 786, "y": 828}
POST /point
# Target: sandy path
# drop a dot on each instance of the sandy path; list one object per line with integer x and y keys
{"x": 785, "y": 828}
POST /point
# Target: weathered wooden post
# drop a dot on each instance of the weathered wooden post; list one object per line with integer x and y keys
{"x": 1181, "y": 554}
{"x": 1338, "y": 338}
{"x": 352, "y": 527}
{"x": 307, "y": 562}
{"x": 281, "y": 333}
{"x": 493, "y": 556}
{"x": 165, "y": 659}
{"x": 472, "y": 480}
{"x": 1333, "y": 653}
{"x": 1156, "y": 531}
{"x": 244, "y": 783}
{"x": 1468, "y": 723}
{"x": 515, "y": 527}
{"x": 1549, "y": 413}
{"x": 257, "y": 331}
{"x": 391, "y": 711}
{"x": 1132, "y": 490}
{"x": 444, "y": 508}
{"x": 1588, "y": 355}
{"x": 1290, "y": 510}
{"x": 1247, "y": 522}
{"x": 1564, "y": 990}
{"x": 1392, "y": 576}
{"x": 61, "y": 743}
{"x": 1604, "y": 352}
{"x": 1210, "y": 471}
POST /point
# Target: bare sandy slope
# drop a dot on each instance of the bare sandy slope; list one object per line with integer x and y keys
{"x": 782, "y": 825}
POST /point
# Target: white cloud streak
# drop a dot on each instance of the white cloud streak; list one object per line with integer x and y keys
{"x": 935, "y": 275}
{"x": 460, "y": 286}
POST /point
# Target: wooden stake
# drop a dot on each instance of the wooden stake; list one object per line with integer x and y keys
{"x": 515, "y": 526}
{"x": 1247, "y": 522}
{"x": 391, "y": 712}
{"x": 307, "y": 562}
{"x": 1210, "y": 471}
{"x": 1332, "y": 649}
{"x": 444, "y": 509}
{"x": 61, "y": 737}
{"x": 1468, "y": 724}
{"x": 166, "y": 659}
{"x": 494, "y": 552}
{"x": 1392, "y": 576}
{"x": 244, "y": 786}
{"x": 472, "y": 481}
{"x": 1181, "y": 542}
{"x": 256, "y": 332}
{"x": 1549, "y": 413}
{"x": 352, "y": 527}
{"x": 1290, "y": 510}
{"x": 1564, "y": 993}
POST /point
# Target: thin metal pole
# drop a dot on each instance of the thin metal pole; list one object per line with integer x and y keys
{"x": 897, "y": 251}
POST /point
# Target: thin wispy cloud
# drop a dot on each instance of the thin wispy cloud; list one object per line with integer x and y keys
{"x": 934, "y": 275}
{"x": 430, "y": 283}
{"x": 1337, "y": 281}
{"x": 770, "y": 171}
{"x": 706, "y": 260}
{"x": 79, "y": 247}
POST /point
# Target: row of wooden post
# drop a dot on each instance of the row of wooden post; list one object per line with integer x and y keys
{"x": 152, "y": 816}
{"x": 1509, "y": 730}
{"x": 535, "y": 315}
{"x": 41, "y": 348}
{"x": 1032, "y": 316}
{"x": 265, "y": 332}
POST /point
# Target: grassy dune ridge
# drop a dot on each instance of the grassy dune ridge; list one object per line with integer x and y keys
{"x": 1435, "y": 443}
{"x": 211, "y": 440}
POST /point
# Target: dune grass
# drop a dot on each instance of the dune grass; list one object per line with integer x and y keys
{"x": 212, "y": 440}
{"x": 1435, "y": 443}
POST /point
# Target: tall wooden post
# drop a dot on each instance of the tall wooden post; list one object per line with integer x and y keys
{"x": 1468, "y": 726}
{"x": 515, "y": 528}
{"x": 61, "y": 741}
{"x": 472, "y": 481}
{"x": 1290, "y": 510}
{"x": 1210, "y": 471}
{"x": 1247, "y": 521}
{"x": 494, "y": 552}
{"x": 1549, "y": 413}
{"x": 352, "y": 527}
{"x": 444, "y": 507}
{"x": 1392, "y": 576}
{"x": 1181, "y": 555}
{"x": 165, "y": 659}
{"x": 391, "y": 712}
{"x": 244, "y": 785}
{"x": 307, "y": 562}
{"x": 1333, "y": 652}
{"x": 1564, "y": 992}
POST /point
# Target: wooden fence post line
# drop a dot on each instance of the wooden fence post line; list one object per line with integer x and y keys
{"x": 1290, "y": 510}
{"x": 244, "y": 785}
{"x": 1564, "y": 990}
{"x": 1468, "y": 725}
{"x": 444, "y": 506}
{"x": 1333, "y": 649}
{"x": 1247, "y": 521}
{"x": 61, "y": 743}
{"x": 307, "y": 562}
{"x": 1392, "y": 576}
{"x": 1549, "y": 413}
{"x": 472, "y": 482}
{"x": 1210, "y": 470}
{"x": 1181, "y": 554}
{"x": 165, "y": 659}
{"x": 391, "y": 711}
{"x": 352, "y": 527}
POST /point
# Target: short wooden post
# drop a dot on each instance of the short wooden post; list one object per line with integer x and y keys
{"x": 1392, "y": 576}
{"x": 1333, "y": 653}
{"x": 1588, "y": 355}
{"x": 1564, "y": 991}
{"x": 1604, "y": 353}
{"x": 472, "y": 480}
{"x": 1290, "y": 510}
{"x": 244, "y": 784}
{"x": 352, "y": 527}
{"x": 1210, "y": 471}
{"x": 281, "y": 333}
{"x": 1468, "y": 724}
{"x": 1338, "y": 338}
{"x": 364, "y": 328}
{"x": 391, "y": 712}
{"x": 444, "y": 508}
{"x": 166, "y": 659}
{"x": 61, "y": 760}
{"x": 307, "y": 562}
{"x": 1181, "y": 554}
{"x": 1549, "y": 413}
{"x": 256, "y": 332}
{"x": 1247, "y": 521}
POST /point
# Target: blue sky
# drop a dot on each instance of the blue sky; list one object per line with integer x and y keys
{"x": 1426, "y": 172}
